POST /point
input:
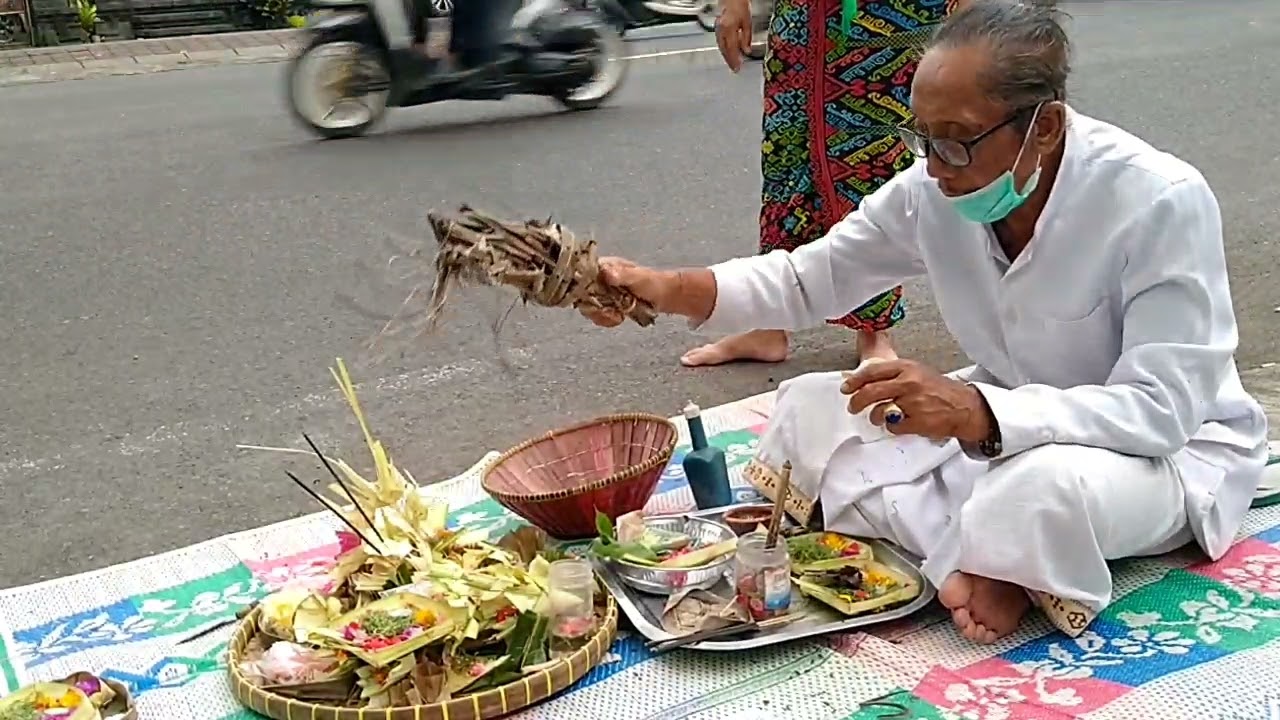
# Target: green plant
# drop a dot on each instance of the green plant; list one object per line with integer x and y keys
{"x": 87, "y": 12}
{"x": 297, "y": 21}
{"x": 276, "y": 10}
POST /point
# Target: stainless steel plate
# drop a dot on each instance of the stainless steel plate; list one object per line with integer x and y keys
{"x": 645, "y": 611}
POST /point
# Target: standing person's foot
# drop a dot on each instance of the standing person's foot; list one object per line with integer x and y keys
{"x": 983, "y": 610}
{"x": 768, "y": 346}
{"x": 875, "y": 344}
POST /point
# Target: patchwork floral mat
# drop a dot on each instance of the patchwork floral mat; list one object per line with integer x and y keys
{"x": 1185, "y": 640}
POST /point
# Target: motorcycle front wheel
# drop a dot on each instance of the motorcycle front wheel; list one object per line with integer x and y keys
{"x": 338, "y": 89}
{"x": 609, "y": 58}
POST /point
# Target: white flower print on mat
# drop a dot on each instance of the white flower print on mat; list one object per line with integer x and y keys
{"x": 735, "y": 453}
{"x": 312, "y": 574}
{"x": 1073, "y": 660}
{"x": 97, "y": 630}
{"x": 466, "y": 519}
{"x": 1149, "y": 634}
{"x": 204, "y": 605}
{"x": 1259, "y": 573}
{"x": 986, "y": 699}
{"x": 154, "y": 616}
{"x": 1208, "y": 617}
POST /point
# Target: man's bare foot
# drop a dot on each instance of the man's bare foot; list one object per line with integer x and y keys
{"x": 769, "y": 346}
{"x": 983, "y": 610}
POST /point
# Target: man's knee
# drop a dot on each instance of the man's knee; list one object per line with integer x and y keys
{"x": 1049, "y": 476}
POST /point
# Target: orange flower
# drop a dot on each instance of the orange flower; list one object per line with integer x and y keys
{"x": 424, "y": 618}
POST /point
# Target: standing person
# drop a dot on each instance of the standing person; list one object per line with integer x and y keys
{"x": 837, "y": 84}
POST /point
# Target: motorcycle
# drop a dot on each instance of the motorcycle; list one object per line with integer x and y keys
{"x": 344, "y": 78}
{"x": 630, "y": 14}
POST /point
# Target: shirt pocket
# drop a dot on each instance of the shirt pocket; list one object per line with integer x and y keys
{"x": 1070, "y": 349}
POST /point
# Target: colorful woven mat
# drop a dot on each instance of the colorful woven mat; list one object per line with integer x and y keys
{"x": 1185, "y": 639}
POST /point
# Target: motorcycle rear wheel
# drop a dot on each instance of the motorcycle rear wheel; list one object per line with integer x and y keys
{"x": 611, "y": 71}
{"x": 759, "y": 45}
{"x": 708, "y": 15}
{"x": 342, "y": 116}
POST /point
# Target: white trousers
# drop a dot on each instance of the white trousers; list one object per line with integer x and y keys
{"x": 1047, "y": 519}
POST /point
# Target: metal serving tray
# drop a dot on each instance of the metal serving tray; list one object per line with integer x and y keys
{"x": 645, "y": 611}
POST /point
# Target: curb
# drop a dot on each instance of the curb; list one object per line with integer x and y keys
{"x": 141, "y": 65}
{"x": 188, "y": 59}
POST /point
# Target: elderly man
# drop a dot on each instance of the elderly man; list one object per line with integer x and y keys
{"x": 1082, "y": 271}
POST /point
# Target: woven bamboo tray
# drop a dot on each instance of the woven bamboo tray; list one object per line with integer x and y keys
{"x": 493, "y": 703}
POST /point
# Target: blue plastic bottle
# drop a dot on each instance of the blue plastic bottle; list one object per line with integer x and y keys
{"x": 704, "y": 466}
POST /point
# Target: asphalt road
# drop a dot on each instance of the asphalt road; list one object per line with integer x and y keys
{"x": 172, "y": 246}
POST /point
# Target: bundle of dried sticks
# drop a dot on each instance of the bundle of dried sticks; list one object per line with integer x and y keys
{"x": 545, "y": 263}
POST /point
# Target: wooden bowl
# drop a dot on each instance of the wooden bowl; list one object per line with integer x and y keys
{"x": 746, "y": 518}
{"x": 559, "y": 480}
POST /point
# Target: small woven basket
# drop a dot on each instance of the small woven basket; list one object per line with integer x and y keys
{"x": 494, "y": 703}
{"x": 559, "y": 480}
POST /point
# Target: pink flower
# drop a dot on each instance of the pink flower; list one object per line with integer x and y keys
{"x": 348, "y": 541}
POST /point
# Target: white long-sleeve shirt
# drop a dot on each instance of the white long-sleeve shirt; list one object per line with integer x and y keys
{"x": 1114, "y": 328}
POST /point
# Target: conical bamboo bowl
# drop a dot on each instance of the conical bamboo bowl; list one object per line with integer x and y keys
{"x": 559, "y": 480}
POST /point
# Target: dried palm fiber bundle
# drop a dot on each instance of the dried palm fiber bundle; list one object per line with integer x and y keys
{"x": 543, "y": 261}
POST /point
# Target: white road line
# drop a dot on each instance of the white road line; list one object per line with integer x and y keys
{"x": 671, "y": 53}
{"x": 404, "y": 385}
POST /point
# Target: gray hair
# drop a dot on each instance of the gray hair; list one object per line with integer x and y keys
{"x": 1030, "y": 51}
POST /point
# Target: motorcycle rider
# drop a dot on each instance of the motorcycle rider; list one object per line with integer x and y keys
{"x": 477, "y": 43}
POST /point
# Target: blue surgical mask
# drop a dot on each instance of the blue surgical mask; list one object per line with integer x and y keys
{"x": 1001, "y": 196}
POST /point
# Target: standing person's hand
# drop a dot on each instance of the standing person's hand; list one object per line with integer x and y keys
{"x": 656, "y": 287}
{"x": 733, "y": 32}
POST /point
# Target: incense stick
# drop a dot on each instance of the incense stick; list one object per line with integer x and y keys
{"x": 779, "y": 506}
{"x": 344, "y": 487}
{"x": 315, "y": 495}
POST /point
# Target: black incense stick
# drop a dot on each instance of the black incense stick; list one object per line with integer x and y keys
{"x": 320, "y": 500}
{"x": 343, "y": 485}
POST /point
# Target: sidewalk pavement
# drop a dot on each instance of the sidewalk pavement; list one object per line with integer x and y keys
{"x": 133, "y": 57}
{"x": 1264, "y": 383}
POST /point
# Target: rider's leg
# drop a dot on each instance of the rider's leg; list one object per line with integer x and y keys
{"x": 480, "y": 30}
{"x": 394, "y": 19}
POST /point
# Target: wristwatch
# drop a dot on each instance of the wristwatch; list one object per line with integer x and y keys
{"x": 991, "y": 446}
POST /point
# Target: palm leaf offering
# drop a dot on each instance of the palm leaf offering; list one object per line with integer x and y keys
{"x": 416, "y": 612}
{"x": 827, "y": 551}
{"x": 82, "y": 696}
{"x": 542, "y": 261}
{"x": 841, "y": 572}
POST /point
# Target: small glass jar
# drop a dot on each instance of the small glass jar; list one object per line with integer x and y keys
{"x": 571, "y": 589}
{"x": 762, "y": 576}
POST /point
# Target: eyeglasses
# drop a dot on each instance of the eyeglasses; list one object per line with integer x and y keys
{"x": 956, "y": 153}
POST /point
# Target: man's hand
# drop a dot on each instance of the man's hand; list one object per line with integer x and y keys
{"x": 933, "y": 405}
{"x": 733, "y": 32}
{"x": 656, "y": 287}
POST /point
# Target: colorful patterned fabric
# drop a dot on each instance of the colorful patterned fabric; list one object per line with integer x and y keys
{"x": 1185, "y": 639}
{"x": 832, "y": 101}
